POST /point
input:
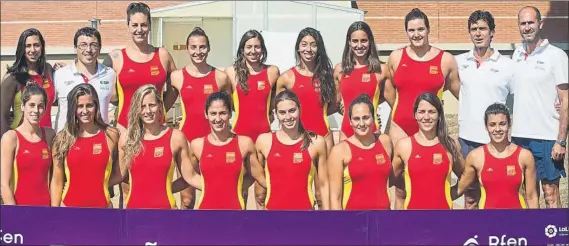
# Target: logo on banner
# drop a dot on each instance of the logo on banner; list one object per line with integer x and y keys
{"x": 150, "y": 243}
{"x": 552, "y": 231}
{"x": 11, "y": 238}
{"x": 497, "y": 240}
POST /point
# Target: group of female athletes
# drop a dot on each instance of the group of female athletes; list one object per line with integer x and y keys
{"x": 222, "y": 159}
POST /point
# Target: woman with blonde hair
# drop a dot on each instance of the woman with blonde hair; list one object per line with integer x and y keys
{"x": 149, "y": 152}
{"x": 85, "y": 136}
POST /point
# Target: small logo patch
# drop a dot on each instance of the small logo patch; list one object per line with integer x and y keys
{"x": 97, "y": 148}
{"x": 229, "y": 157}
{"x": 366, "y": 77}
{"x": 46, "y": 84}
{"x": 510, "y": 170}
{"x": 297, "y": 158}
{"x": 260, "y": 85}
{"x": 154, "y": 70}
{"x": 207, "y": 89}
{"x": 437, "y": 158}
{"x": 380, "y": 159}
{"x": 434, "y": 70}
{"x": 158, "y": 152}
{"x": 44, "y": 154}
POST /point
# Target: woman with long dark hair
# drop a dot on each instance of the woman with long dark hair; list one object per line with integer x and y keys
{"x": 30, "y": 66}
{"x": 196, "y": 82}
{"x": 417, "y": 68}
{"x": 25, "y": 155}
{"x": 150, "y": 152}
{"x": 359, "y": 168}
{"x": 83, "y": 153}
{"x": 360, "y": 72}
{"x": 423, "y": 162}
{"x": 253, "y": 84}
{"x": 223, "y": 158}
{"x": 312, "y": 80}
{"x": 292, "y": 158}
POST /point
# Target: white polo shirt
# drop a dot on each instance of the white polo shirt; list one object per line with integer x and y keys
{"x": 66, "y": 78}
{"x": 536, "y": 79}
{"x": 480, "y": 86}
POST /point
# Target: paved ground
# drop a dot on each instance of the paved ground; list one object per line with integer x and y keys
{"x": 459, "y": 203}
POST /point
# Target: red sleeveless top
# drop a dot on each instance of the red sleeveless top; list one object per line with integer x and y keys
{"x": 31, "y": 171}
{"x": 193, "y": 95}
{"x": 428, "y": 177}
{"x": 411, "y": 79}
{"x": 88, "y": 181}
{"x": 290, "y": 173}
{"x": 313, "y": 113}
{"x": 366, "y": 178}
{"x": 252, "y": 108}
{"x": 501, "y": 181}
{"x": 222, "y": 172}
{"x": 134, "y": 75}
{"x": 151, "y": 174}
{"x": 359, "y": 81}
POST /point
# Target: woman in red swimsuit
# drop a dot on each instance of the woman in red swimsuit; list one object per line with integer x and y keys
{"x": 30, "y": 66}
{"x": 85, "y": 136}
{"x": 25, "y": 155}
{"x": 415, "y": 69}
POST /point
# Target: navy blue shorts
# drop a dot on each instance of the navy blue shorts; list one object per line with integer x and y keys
{"x": 546, "y": 168}
{"x": 467, "y": 146}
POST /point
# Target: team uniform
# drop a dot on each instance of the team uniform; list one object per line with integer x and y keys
{"x": 67, "y": 78}
{"x": 501, "y": 181}
{"x": 366, "y": 178}
{"x": 151, "y": 173}
{"x": 351, "y": 86}
{"x": 134, "y": 75}
{"x": 255, "y": 105}
{"x": 289, "y": 173}
{"x": 222, "y": 173}
{"x": 193, "y": 94}
{"x": 88, "y": 181}
{"x": 31, "y": 171}
{"x": 314, "y": 114}
{"x": 536, "y": 122}
{"x": 428, "y": 177}
{"x": 413, "y": 78}
{"x": 47, "y": 84}
{"x": 481, "y": 84}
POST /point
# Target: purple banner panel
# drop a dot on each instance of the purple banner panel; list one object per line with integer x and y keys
{"x": 61, "y": 226}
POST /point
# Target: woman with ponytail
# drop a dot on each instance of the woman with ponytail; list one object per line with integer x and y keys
{"x": 292, "y": 157}
{"x": 85, "y": 136}
{"x": 423, "y": 162}
{"x": 196, "y": 82}
{"x": 25, "y": 155}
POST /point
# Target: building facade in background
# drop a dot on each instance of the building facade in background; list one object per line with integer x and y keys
{"x": 58, "y": 21}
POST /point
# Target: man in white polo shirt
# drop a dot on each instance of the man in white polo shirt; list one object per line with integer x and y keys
{"x": 84, "y": 69}
{"x": 541, "y": 79}
{"x": 486, "y": 77}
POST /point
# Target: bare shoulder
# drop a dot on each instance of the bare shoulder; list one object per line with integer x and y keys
{"x": 264, "y": 139}
{"x": 229, "y": 70}
{"x": 9, "y": 137}
{"x": 178, "y": 136}
{"x": 525, "y": 155}
{"x": 220, "y": 74}
{"x": 476, "y": 154}
{"x": 403, "y": 145}
{"x": 317, "y": 140}
{"x": 385, "y": 140}
{"x": 272, "y": 69}
{"x": 197, "y": 144}
{"x": 163, "y": 52}
{"x": 384, "y": 70}
{"x": 396, "y": 54}
{"x": 113, "y": 132}
{"x": 288, "y": 75}
{"x": 177, "y": 77}
{"x": 115, "y": 54}
{"x": 244, "y": 141}
{"x": 448, "y": 58}
{"x": 340, "y": 149}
